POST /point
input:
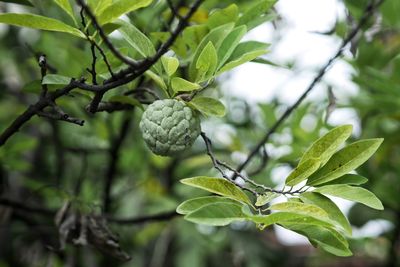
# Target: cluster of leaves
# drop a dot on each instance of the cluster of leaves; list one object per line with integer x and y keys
{"x": 308, "y": 212}
{"x": 206, "y": 49}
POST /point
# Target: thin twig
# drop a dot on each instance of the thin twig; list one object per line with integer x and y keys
{"x": 92, "y": 71}
{"x": 61, "y": 117}
{"x": 43, "y": 71}
{"x": 174, "y": 10}
{"x": 217, "y": 164}
{"x": 144, "y": 219}
{"x": 22, "y": 206}
{"x": 132, "y": 63}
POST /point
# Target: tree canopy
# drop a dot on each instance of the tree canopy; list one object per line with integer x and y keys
{"x": 119, "y": 146}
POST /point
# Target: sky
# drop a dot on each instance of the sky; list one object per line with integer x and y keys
{"x": 297, "y": 42}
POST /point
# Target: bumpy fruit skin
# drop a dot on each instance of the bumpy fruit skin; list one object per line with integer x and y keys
{"x": 169, "y": 126}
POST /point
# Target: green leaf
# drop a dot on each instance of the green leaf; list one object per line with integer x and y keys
{"x": 327, "y": 145}
{"x": 193, "y": 204}
{"x": 289, "y": 217}
{"x": 302, "y": 171}
{"x": 244, "y": 52}
{"x": 181, "y": 85}
{"x": 98, "y": 6}
{"x": 56, "y": 79}
{"x": 217, "y": 214}
{"x": 66, "y": 6}
{"x": 206, "y": 63}
{"x": 267, "y": 62}
{"x": 193, "y": 35}
{"x": 301, "y": 208}
{"x": 229, "y": 44}
{"x": 157, "y": 79}
{"x": 216, "y": 36}
{"x": 246, "y": 47}
{"x": 334, "y": 213}
{"x": 20, "y": 2}
{"x": 345, "y": 160}
{"x": 265, "y": 198}
{"x": 126, "y": 100}
{"x": 223, "y": 16}
{"x": 245, "y": 58}
{"x": 350, "y": 179}
{"x": 170, "y": 64}
{"x": 251, "y": 17}
{"x": 110, "y": 27}
{"x": 328, "y": 239}
{"x": 218, "y": 186}
{"x": 118, "y": 8}
{"x": 208, "y": 106}
{"x": 40, "y": 23}
{"x": 138, "y": 41}
{"x": 352, "y": 193}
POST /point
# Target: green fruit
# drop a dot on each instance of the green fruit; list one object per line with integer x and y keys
{"x": 169, "y": 126}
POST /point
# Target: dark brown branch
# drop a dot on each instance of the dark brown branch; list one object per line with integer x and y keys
{"x": 104, "y": 37}
{"x": 43, "y": 71}
{"x": 263, "y": 163}
{"x": 368, "y": 12}
{"x": 61, "y": 117}
{"x": 165, "y": 216}
{"x": 92, "y": 70}
{"x": 21, "y": 206}
{"x": 174, "y": 10}
{"x": 141, "y": 90}
{"x": 113, "y": 106}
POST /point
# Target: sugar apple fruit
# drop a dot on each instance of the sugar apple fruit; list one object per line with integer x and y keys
{"x": 169, "y": 126}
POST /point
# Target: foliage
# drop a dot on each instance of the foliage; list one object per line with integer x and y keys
{"x": 101, "y": 63}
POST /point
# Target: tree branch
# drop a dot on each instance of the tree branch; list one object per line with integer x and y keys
{"x": 144, "y": 219}
{"x": 368, "y": 12}
{"x": 21, "y": 206}
{"x": 123, "y": 77}
{"x": 104, "y": 37}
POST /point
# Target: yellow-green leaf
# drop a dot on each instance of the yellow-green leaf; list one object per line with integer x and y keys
{"x": 208, "y": 106}
{"x": 218, "y": 186}
{"x": 170, "y": 64}
{"x": 118, "y": 8}
{"x": 265, "y": 198}
{"x": 334, "y": 213}
{"x": 326, "y": 238}
{"x": 39, "y": 22}
{"x": 302, "y": 171}
{"x": 301, "y": 208}
{"x": 217, "y": 214}
{"x": 182, "y": 85}
{"x": 66, "y": 6}
{"x": 327, "y": 145}
{"x": 206, "y": 63}
{"x": 193, "y": 204}
{"x": 345, "y": 160}
{"x": 352, "y": 193}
